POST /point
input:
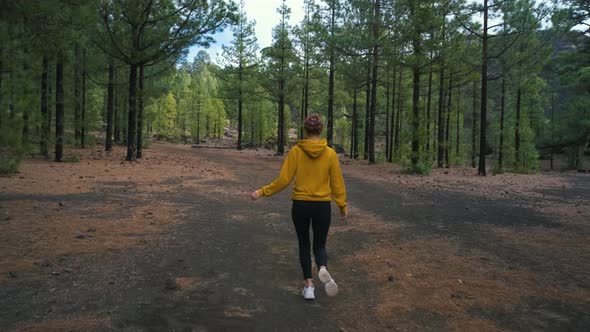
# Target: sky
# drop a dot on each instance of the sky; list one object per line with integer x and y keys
{"x": 264, "y": 12}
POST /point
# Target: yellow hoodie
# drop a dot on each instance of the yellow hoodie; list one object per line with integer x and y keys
{"x": 317, "y": 174}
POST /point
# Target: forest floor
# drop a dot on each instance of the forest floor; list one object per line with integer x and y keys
{"x": 173, "y": 243}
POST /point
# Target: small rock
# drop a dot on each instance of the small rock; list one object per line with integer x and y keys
{"x": 111, "y": 282}
{"x": 170, "y": 284}
{"x": 80, "y": 236}
{"x": 55, "y": 273}
{"x": 61, "y": 204}
{"x": 390, "y": 278}
{"x": 91, "y": 229}
{"x": 12, "y": 274}
{"x": 66, "y": 270}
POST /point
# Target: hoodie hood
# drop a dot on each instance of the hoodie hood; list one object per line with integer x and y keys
{"x": 313, "y": 148}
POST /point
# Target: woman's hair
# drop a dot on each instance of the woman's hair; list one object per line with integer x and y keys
{"x": 313, "y": 125}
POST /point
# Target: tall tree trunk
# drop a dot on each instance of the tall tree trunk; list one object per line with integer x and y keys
{"x": 132, "y": 115}
{"x": 374, "y": 82}
{"x": 331, "y": 79}
{"x": 367, "y": 111}
{"x": 502, "y": 111}
{"x": 355, "y": 140}
{"x": 517, "y": 127}
{"x": 59, "y": 106}
{"x": 281, "y": 124}
{"x": 199, "y": 121}
{"x": 251, "y": 127}
{"x": 458, "y": 127}
{"x": 140, "y": 100}
{"x": 25, "y": 92}
{"x": 1, "y": 92}
{"x": 416, "y": 106}
{"x": 301, "y": 115}
{"x": 110, "y": 107}
{"x": 240, "y": 124}
{"x": 77, "y": 94}
{"x": 392, "y": 118}
{"x": 448, "y": 121}
{"x": 484, "y": 93}
{"x": 441, "y": 111}
{"x": 83, "y": 119}
{"x": 44, "y": 101}
{"x": 552, "y": 124}
{"x": 474, "y": 125}
{"x": 428, "y": 113}
{"x": 117, "y": 109}
{"x": 387, "y": 116}
{"x": 398, "y": 117}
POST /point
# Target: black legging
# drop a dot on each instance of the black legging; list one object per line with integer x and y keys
{"x": 318, "y": 213}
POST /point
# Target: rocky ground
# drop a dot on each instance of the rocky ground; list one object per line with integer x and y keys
{"x": 173, "y": 243}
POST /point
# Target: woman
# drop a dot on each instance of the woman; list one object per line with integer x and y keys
{"x": 318, "y": 180}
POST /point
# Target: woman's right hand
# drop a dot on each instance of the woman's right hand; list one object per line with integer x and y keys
{"x": 344, "y": 213}
{"x": 255, "y": 195}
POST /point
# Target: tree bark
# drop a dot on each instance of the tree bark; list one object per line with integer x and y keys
{"x": 392, "y": 118}
{"x": 502, "y": 110}
{"x": 132, "y": 115}
{"x": 415, "y": 105}
{"x": 387, "y": 116}
{"x": 83, "y": 115}
{"x": 59, "y": 106}
{"x": 110, "y": 107}
{"x": 45, "y": 129}
{"x": 441, "y": 111}
{"x": 484, "y": 93}
{"x": 240, "y": 123}
{"x": 367, "y": 111}
{"x": 374, "y": 82}
{"x": 398, "y": 118}
{"x": 331, "y": 80}
{"x": 428, "y": 113}
{"x": 474, "y": 125}
{"x": 517, "y": 126}
{"x": 77, "y": 103}
{"x": 458, "y": 127}
{"x": 355, "y": 150}
{"x": 448, "y": 121}
{"x": 140, "y": 100}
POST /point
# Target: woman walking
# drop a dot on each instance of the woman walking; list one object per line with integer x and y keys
{"x": 318, "y": 180}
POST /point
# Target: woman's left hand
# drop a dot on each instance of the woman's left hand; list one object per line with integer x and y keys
{"x": 255, "y": 195}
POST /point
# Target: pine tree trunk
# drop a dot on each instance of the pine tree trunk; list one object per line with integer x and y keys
{"x": 392, "y": 118}
{"x": 77, "y": 94}
{"x": 59, "y": 107}
{"x": 140, "y": 100}
{"x": 552, "y": 124}
{"x": 441, "y": 111}
{"x": 355, "y": 149}
{"x": 132, "y": 115}
{"x": 387, "y": 116}
{"x": 398, "y": 118}
{"x": 517, "y": 127}
{"x": 448, "y": 122}
{"x": 240, "y": 124}
{"x": 110, "y": 107}
{"x": 367, "y": 111}
{"x": 44, "y": 101}
{"x": 484, "y": 93}
{"x": 25, "y": 118}
{"x": 416, "y": 107}
{"x": 458, "y": 127}
{"x": 374, "y": 82}
{"x": 281, "y": 124}
{"x": 502, "y": 110}
{"x": 474, "y": 125}
{"x": 428, "y": 113}
{"x": 331, "y": 80}
{"x": 83, "y": 120}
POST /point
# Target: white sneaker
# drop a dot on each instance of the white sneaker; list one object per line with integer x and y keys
{"x": 308, "y": 293}
{"x": 329, "y": 283}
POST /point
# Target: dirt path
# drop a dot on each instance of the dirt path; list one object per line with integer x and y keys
{"x": 173, "y": 244}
